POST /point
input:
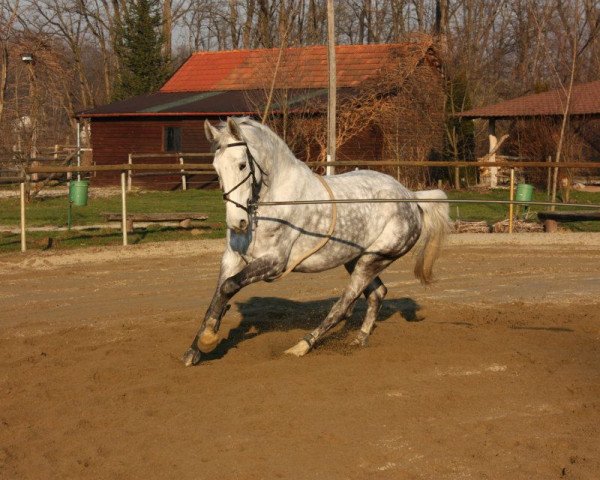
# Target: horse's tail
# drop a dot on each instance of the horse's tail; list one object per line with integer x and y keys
{"x": 435, "y": 224}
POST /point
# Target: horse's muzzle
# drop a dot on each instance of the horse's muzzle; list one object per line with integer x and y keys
{"x": 241, "y": 228}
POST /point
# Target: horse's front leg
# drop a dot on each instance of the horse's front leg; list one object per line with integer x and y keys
{"x": 206, "y": 339}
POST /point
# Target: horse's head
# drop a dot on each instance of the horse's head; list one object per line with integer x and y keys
{"x": 240, "y": 176}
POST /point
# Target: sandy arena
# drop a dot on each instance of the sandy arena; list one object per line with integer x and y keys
{"x": 491, "y": 373}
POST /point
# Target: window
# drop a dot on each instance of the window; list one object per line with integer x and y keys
{"x": 172, "y": 139}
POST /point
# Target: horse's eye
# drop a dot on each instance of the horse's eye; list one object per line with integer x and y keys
{"x": 241, "y": 166}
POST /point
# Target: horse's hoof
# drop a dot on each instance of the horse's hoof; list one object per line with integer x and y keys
{"x": 191, "y": 357}
{"x": 208, "y": 341}
{"x": 299, "y": 350}
{"x": 361, "y": 340}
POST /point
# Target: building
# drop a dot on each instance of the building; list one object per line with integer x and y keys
{"x": 390, "y": 101}
{"x": 533, "y": 123}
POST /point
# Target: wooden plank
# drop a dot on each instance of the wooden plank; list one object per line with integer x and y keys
{"x": 574, "y": 216}
{"x": 196, "y": 166}
{"x": 155, "y": 217}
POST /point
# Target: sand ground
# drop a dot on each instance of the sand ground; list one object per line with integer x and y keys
{"x": 492, "y": 372}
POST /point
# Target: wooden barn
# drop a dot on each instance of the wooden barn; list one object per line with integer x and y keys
{"x": 390, "y": 106}
{"x": 534, "y": 122}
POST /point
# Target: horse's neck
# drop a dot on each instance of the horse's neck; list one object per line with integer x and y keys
{"x": 289, "y": 176}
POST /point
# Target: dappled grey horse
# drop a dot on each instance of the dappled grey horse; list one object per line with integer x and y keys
{"x": 255, "y": 165}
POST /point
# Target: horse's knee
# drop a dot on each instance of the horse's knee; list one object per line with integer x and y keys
{"x": 230, "y": 287}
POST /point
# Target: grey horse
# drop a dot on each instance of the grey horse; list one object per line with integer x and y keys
{"x": 255, "y": 165}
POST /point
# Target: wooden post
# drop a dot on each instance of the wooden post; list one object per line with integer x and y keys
{"x": 456, "y": 178}
{"x": 550, "y": 226}
{"x": 78, "y": 149}
{"x": 554, "y": 185}
{"x": 23, "y": 238}
{"x": 331, "y": 107}
{"x": 183, "y": 179}
{"x": 129, "y": 177}
{"x": 549, "y": 182}
{"x": 124, "y": 206}
{"x": 512, "y": 197}
{"x": 493, "y": 141}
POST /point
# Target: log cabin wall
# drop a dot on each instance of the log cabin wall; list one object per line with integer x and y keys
{"x": 113, "y": 139}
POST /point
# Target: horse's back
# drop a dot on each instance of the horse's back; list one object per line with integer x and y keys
{"x": 367, "y": 184}
{"x": 364, "y": 226}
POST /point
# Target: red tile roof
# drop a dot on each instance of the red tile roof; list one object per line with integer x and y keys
{"x": 302, "y": 67}
{"x": 585, "y": 100}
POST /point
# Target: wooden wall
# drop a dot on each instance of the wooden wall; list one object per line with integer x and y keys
{"x": 113, "y": 139}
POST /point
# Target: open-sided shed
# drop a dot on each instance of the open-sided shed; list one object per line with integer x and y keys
{"x": 549, "y": 107}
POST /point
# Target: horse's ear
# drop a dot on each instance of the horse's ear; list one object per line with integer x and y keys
{"x": 210, "y": 131}
{"x": 234, "y": 129}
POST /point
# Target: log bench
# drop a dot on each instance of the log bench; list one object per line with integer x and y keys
{"x": 183, "y": 219}
{"x": 551, "y": 219}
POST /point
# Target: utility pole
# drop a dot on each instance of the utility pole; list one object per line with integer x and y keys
{"x": 331, "y": 106}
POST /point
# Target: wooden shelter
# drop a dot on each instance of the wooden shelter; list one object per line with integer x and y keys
{"x": 293, "y": 83}
{"x": 550, "y": 107}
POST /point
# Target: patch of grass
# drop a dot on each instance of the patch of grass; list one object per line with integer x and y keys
{"x": 53, "y": 212}
{"x": 493, "y": 212}
{"x": 65, "y": 240}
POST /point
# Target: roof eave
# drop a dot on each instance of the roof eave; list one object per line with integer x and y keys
{"x": 193, "y": 114}
{"x": 474, "y": 116}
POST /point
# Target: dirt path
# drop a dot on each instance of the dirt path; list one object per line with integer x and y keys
{"x": 493, "y": 372}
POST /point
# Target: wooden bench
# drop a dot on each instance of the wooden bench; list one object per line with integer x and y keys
{"x": 551, "y": 219}
{"x": 183, "y": 219}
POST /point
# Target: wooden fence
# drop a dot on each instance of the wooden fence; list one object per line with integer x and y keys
{"x": 126, "y": 169}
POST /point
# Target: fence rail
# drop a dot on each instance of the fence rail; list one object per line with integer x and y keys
{"x": 206, "y": 167}
{"x": 200, "y": 169}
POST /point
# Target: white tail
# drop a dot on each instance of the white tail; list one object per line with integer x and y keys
{"x": 435, "y": 226}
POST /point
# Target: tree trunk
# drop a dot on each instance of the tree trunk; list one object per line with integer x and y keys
{"x": 233, "y": 20}
{"x": 3, "y": 76}
{"x": 167, "y": 28}
{"x": 247, "y": 35}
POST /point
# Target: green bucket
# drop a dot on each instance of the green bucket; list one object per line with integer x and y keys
{"x": 524, "y": 192}
{"x": 78, "y": 192}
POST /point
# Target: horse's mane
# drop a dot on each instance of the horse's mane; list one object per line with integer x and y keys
{"x": 264, "y": 140}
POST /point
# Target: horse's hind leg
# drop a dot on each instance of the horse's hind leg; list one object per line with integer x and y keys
{"x": 366, "y": 270}
{"x": 374, "y": 293}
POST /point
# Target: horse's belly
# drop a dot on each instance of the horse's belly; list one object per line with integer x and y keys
{"x": 327, "y": 258}
{"x": 377, "y": 232}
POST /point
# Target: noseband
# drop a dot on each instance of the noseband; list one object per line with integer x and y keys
{"x": 251, "y": 207}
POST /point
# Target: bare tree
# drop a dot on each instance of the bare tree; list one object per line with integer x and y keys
{"x": 8, "y": 15}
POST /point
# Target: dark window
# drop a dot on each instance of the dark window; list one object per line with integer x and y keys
{"x": 172, "y": 139}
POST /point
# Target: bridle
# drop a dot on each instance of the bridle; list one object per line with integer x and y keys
{"x": 252, "y": 205}
{"x": 253, "y": 165}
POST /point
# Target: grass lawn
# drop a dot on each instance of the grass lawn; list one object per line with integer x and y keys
{"x": 494, "y": 213}
{"x": 53, "y": 212}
